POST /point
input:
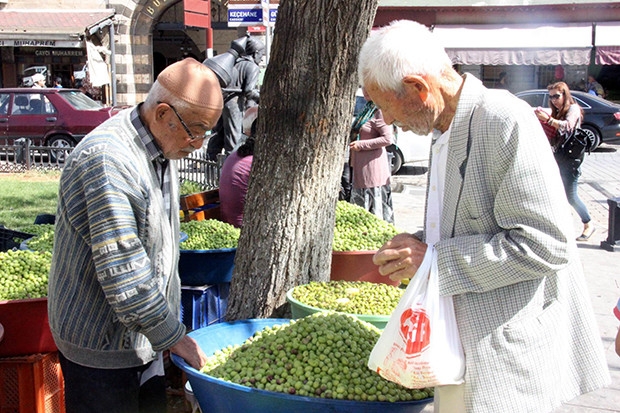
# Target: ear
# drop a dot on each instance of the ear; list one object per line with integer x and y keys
{"x": 160, "y": 111}
{"x": 418, "y": 85}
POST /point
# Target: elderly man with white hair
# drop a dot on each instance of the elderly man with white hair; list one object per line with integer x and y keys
{"x": 500, "y": 223}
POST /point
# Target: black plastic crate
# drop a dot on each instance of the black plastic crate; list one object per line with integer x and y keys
{"x": 10, "y": 239}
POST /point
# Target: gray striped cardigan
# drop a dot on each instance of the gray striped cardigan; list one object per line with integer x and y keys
{"x": 114, "y": 290}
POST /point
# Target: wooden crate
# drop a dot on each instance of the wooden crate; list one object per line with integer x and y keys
{"x": 32, "y": 384}
{"x": 201, "y": 205}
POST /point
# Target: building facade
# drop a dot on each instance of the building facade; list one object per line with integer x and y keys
{"x": 533, "y": 42}
{"x": 130, "y": 42}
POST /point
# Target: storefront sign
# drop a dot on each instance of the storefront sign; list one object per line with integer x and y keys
{"x": 41, "y": 43}
{"x": 248, "y": 15}
{"x": 59, "y": 52}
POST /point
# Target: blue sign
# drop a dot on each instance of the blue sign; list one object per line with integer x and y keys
{"x": 254, "y": 15}
{"x": 250, "y": 16}
{"x": 273, "y": 13}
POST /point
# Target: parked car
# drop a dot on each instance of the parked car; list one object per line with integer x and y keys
{"x": 407, "y": 147}
{"x": 79, "y": 75}
{"x": 49, "y": 116}
{"x": 601, "y": 117}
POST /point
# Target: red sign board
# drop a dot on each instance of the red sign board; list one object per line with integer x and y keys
{"x": 256, "y": 29}
{"x": 197, "y": 13}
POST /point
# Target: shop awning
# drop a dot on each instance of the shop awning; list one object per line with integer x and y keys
{"x": 568, "y": 44}
{"x": 48, "y": 28}
{"x": 607, "y": 42}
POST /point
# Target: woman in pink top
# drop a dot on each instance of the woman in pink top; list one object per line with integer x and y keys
{"x": 234, "y": 179}
{"x": 617, "y": 314}
{"x": 369, "y": 162}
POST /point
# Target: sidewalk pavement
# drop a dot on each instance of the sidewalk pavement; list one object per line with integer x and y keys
{"x": 599, "y": 182}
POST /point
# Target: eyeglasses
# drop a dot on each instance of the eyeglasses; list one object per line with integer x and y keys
{"x": 556, "y": 96}
{"x": 192, "y": 138}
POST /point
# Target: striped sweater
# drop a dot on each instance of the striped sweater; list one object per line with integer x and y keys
{"x": 114, "y": 290}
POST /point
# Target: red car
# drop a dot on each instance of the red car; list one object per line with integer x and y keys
{"x": 49, "y": 117}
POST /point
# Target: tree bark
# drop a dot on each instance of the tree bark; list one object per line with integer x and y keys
{"x": 303, "y": 127}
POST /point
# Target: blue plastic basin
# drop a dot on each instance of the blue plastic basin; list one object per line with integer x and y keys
{"x": 200, "y": 267}
{"x": 219, "y": 396}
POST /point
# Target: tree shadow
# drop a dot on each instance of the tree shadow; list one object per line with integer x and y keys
{"x": 412, "y": 170}
{"x": 605, "y": 148}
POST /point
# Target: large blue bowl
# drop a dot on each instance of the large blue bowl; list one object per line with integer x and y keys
{"x": 219, "y": 396}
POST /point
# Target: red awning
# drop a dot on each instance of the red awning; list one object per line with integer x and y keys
{"x": 67, "y": 25}
{"x": 607, "y": 42}
{"x": 494, "y": 44}
{"x": 607, "y": 55}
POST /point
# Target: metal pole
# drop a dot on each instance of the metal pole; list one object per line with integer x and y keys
{"x": 267, "y": 24}
{"x": 113, "y": 63}
{"x": 267, "y": 43}
{"x": 27, "y": 153}
{"x": 209, "y": 33}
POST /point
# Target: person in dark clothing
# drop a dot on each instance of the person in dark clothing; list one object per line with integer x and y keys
{"x": 502, "y": 83}
{"x": 243, "y": 95}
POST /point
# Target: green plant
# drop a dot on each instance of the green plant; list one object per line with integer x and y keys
{"x": 23, "y": 196}
{"x": 190, "y": 187}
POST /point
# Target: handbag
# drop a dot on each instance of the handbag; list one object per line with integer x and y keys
{"x": 420, "y": 345}
{"x": 576, "y": 143}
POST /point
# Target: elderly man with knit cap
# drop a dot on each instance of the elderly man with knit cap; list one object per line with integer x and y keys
{"x": 114, "y": 290}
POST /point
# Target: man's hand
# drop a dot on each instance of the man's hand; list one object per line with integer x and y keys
{"x": 400, "y": 257}
{"x": 190, "y": 351}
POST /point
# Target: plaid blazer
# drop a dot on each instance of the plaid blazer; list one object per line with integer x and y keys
{"x": 508, "y": 256}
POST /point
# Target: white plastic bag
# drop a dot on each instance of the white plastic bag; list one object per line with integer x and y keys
{"x": 420, "y": 345}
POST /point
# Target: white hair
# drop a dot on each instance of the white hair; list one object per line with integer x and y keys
{"x": 158, "y": 94}
{"x": 402, "y": 48}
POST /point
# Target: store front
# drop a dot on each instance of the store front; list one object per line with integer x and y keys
{"x": 532, "y": 55}
{"x": 49, "y": 42}
{"x": 59, "y": 62}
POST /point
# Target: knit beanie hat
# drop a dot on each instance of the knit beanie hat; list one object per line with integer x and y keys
{"x": 192, "y": 82}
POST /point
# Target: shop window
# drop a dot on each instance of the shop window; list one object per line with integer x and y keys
{"x": 547, "y": 75}
{"x": 4, "y": 103}
{"x": 21, "y": 105}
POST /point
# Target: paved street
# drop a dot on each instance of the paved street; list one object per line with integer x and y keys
{"x": 599, "y": 182}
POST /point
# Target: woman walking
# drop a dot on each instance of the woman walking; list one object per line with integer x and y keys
{"x": 369, "y": 162}
{"x": 566, "y": 115}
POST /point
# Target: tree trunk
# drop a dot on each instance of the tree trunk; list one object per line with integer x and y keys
{"x": 303, "y": 126}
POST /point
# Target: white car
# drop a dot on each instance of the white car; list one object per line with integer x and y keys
{"x": 407, "y": 147}
{"x": 80, "y": 74}
{"x": 31, "y": 71}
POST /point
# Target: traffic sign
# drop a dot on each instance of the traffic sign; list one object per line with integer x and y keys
{"x": 250, "y": 15}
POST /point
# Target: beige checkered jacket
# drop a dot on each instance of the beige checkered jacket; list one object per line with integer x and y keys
{"x": 508, "y": 256}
